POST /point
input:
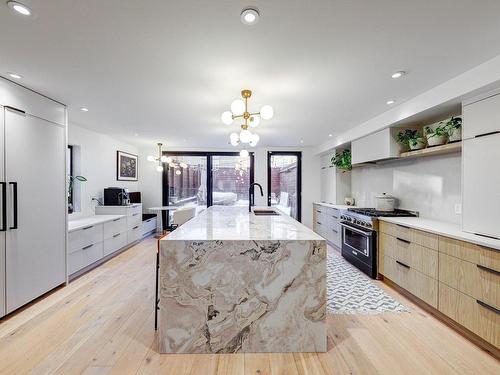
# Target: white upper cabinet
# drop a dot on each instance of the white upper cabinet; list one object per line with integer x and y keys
{"x": 18, "y": 97}
{"x": 378, "y": 146}
{"x": 335, "y": 184}
{"x": 482, "y": 117}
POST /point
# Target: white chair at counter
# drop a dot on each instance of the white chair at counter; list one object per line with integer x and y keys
{"x": 182, "y": 215}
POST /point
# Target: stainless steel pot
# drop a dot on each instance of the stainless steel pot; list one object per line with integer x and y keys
{"x": 385, "y": 202}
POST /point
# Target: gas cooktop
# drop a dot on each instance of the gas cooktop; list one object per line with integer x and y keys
{"x": 372, "y": 212}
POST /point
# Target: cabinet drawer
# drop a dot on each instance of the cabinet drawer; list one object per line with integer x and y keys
{"x": 134, "y": 234}
{"x": 419, "y": 237}
{"x": 476, "y": 281}
{"x": 148, "y": 226}
{"x": 134, "y": 210}
{"x": 470, "y": 252}
{"x": 468, "y": 312}
{"x": 418, "y": 284}
{"x": 418, "y": 257}
{"x": 83, "y": 257}
{"x": 83, "y": 237}
{"x": 134, "y": 220}
{"x": 114, "y": 243}
{"x": 115, "y": 226}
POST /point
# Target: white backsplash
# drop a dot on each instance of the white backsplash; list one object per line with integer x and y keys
{"x": 429, "y": 185}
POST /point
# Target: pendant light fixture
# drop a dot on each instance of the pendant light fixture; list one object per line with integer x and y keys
{"x": 239, "y": 110}
{"x": 160, "y": 159}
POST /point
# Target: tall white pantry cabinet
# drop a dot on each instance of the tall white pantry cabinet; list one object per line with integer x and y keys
{"x": 32, "y": 195}
{"x": 481, "y": 166}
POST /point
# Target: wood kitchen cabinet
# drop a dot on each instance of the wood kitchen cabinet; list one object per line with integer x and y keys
{"x": 458, "y": 278}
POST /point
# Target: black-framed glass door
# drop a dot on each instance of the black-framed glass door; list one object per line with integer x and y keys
{"x": 284, "y": 182}
{"x": 203, "y": 179}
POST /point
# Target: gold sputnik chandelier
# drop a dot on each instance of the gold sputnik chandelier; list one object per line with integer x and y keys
{"x": 239, "y": 110}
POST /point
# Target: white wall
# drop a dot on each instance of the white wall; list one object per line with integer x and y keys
{"x": 430, "y": 185}
{"x": 150, "y": 180}
{"x": 97, "y": 162}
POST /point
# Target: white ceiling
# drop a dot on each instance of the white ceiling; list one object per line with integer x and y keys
{"x": 167, "y": 69}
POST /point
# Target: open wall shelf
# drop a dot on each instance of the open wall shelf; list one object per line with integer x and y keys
{"x": 449, "y": 148}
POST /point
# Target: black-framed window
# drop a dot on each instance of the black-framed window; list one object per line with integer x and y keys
{"x": 204, "y": 179}
{"x": 284, "y": 182}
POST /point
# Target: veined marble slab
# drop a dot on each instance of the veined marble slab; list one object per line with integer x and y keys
{"x": 251, "y": 294}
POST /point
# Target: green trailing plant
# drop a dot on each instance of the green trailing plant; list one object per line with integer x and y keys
{"x": 410, "y": 137}
{"x": 440, "y": 131}
{"x": 452, "y": 125}
{"x": 342, "y": 160}
{"x": 72, "y": 180}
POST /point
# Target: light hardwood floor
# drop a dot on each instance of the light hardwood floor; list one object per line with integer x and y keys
{"x": 102, "y": 323}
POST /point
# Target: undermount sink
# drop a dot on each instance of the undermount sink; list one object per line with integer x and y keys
{"x": 265, "y": 213}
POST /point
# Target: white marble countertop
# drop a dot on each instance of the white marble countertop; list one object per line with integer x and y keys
{"x": 443, "y": 228}
{"x": 235, "y": 223}
{"x": 90, "y": 220}
{"x": 337, "y": 206}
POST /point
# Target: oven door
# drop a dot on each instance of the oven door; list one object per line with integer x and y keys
{"x": 356, "y": 241}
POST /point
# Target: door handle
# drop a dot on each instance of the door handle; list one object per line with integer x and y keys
{"x": 4, "y": 207}
{"x": 14, "y": 199}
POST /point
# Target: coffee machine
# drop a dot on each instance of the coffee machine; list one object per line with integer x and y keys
{"x": 114, "y": 196}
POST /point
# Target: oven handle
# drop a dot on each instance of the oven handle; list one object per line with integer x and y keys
{"x": 356, "y": 229}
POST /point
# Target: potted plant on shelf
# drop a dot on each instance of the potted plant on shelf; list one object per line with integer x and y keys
{"x": 437, "y": 136}
{"x": 453, "y": 127}
{"x": 72, "y": 180}
{"x": 342, "y": 160}
{"x": 411, "y": 139}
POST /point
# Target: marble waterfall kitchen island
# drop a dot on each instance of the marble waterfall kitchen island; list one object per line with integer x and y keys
{"x": 232, "y": 281}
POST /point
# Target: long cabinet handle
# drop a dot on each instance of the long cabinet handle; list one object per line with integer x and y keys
{"x": 116, "y": 235}
{"x": 495, "y": 272}
{"x": 135, "y": 227}
{"x": 14, "y": 199}
{"x": 87, "y": 247}
{"x": 402, "y": 240}
{"x": 88, "y": 227}
{"x": 318, "y": 223}
{"x": 4, "y": 206}
{"x": 336, "y": 231}
{"x": 486, "y": 306}
{"x": 117, "y": 219}
{"x": 402, "y": 264}
{"x": 486, "y": 134}
{"x": 403, "y": 226}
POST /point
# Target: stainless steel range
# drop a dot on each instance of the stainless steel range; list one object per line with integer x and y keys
{"x": 359, "y": 236}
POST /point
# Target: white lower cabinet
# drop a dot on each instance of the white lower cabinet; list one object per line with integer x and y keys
{"x": 115, "y": 243}
{"x": 115, "y": 226}
{"x": 148, "y": 226}
{"x": 134, "y": 234}
{"x": 327, "y": 224}
{"x": 84, "y": 257}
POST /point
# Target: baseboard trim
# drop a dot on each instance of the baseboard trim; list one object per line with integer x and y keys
{"x": 469, "y": 335}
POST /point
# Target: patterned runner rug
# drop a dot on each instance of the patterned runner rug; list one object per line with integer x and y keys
{"x": 352, "y": 292}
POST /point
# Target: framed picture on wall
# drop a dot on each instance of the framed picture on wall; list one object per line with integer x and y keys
{"x": 126, "y": 166}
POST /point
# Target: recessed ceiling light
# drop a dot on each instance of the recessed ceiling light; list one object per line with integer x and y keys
{"x": 391, "y": 102}
{"x": 19, "y": 8}
{"x": 84, "y": 109}
{"x": 250, "y": 16}
{"x": 330, "y": 135}
{"x": 301, "y": 141}
{"x": 15, "y": 75}
{"x": 398, "y": 74}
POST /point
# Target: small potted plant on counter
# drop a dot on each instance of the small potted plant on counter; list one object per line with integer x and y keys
{"x": 436, "y": 136}
{"x": 453, "y": 127}
{"x": 411, "y": 139}
{"x": 342, "y": 160}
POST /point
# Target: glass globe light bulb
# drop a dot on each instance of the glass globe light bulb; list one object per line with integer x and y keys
{"x": 151, "y": 158}
{"x": 255, "y": 140}
{"x": 245, "y": 136}
{"x": 178, "y": 172}
{"x": 254, "y": 121}
{"x": 234, "y": 138}
{"x": 267, "y": 112}
{"x": 163, "y": 159}
{"x": 244, "y": 153}
{"x": 227, "y": 118}
{"x": 238, "y": 107}
{"x": 168, "y": 160}
{"x": 159, "y": 168}
{"x": 183, "y": 165}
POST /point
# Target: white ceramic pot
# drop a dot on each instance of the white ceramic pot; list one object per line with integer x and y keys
{"x": 455, "y": 136}
{"x": 420, "y": 144}
{"x": 436, "y": 140}
{"x": 385, "y": 202}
